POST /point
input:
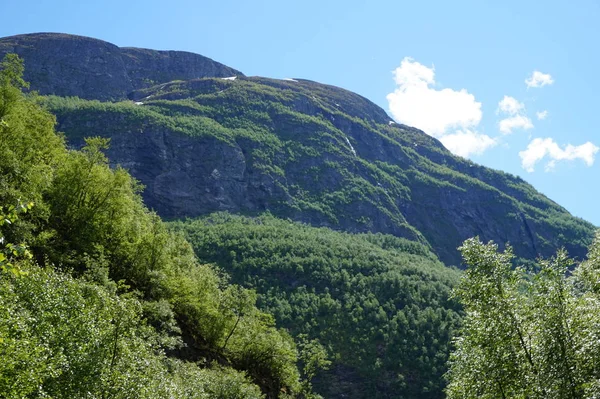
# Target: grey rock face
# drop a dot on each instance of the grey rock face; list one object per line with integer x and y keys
{"x": 183, "y": 175}
{"x": 69, "y": 65}
{"x": 149, "y": 67}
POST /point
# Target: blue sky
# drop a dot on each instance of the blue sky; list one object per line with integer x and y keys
{"x": 457, "y": 69}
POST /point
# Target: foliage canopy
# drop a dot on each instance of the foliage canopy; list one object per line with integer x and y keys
{"x": 378, "y": 303}
{"x": 527, "y": 334}
{"x": 113, "y": 304}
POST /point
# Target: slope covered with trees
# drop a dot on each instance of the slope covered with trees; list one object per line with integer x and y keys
{"x": 111, "y": 303}
{"x": 98, "y": 299}
{"x": 380, "y": 304}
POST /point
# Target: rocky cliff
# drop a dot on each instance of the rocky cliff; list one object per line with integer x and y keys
{"x": 69, "y": 65}
{"x": 299, "y": 149}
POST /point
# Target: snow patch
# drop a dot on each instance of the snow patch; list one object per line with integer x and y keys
{"x": 391, "y": 123}
{"x": 138, "y": 103}
{"x": 350, "y": 145}
{"x": 290, "y": 80}
{"x": 230, "y": 78}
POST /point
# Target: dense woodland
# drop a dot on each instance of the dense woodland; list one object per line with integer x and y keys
{"x": 380, "y": 304}
{"x": 99, "y": 298}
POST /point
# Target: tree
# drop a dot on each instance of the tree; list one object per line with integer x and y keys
{"x": 11, "y": 82}
{"x": 8, "y": 250}
{"x": 314, "y": 358}
{"x": 526, "y": 334}
{"x": 30, "y": 149}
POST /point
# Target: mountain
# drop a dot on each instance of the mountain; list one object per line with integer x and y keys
{"x": 203, "y": 138}
{"x": 300, "y": 149}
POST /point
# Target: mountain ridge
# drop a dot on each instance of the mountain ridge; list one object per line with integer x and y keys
{"x": 313, "y": 153}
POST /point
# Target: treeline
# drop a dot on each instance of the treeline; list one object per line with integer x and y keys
{"x": 380, "y": 304}
{"x": 99, "y": 300}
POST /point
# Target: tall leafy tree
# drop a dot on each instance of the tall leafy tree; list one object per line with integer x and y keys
{"x": 527, "y": 333}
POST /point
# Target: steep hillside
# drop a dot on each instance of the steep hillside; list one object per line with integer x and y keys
{"x": 302, "y": 150}
{"x": 317, "y": 154}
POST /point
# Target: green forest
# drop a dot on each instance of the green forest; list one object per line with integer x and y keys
{"x": 100, "y": 298}
{"x": 381, "y": 305}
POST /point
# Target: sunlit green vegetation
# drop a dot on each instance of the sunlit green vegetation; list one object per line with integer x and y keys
{"x": 527, "y": 333}
{"x": 98, "y": 299}
{"x": 380, "y": 304}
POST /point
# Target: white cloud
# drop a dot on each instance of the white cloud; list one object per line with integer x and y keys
{"x": 467, "y": 142}
{"x": 447, "y": 114}
{"x": 541, "y": 115}
{"x": 412, "y": 73}
{"x": 539, "y": 148}
{"x": 515, "y": 122}
{"x": 510, "y": 105}
{"x": 438, "y": 112}
{"x": 539, "y": 79}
